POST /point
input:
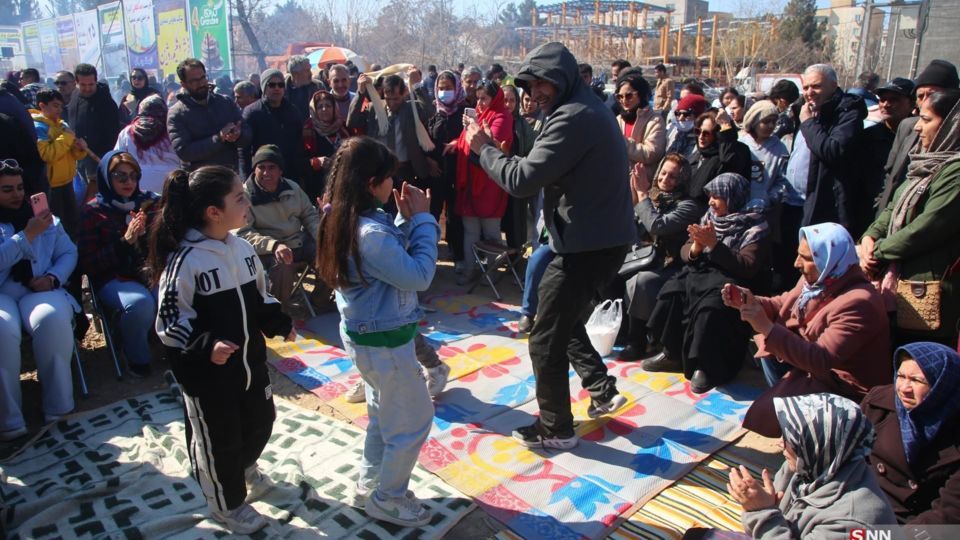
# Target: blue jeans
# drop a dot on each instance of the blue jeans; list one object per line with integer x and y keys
{"x": 137, "y": 309}
{"x": 773, "y": 371}
{"x": 400, "y": 412}
{"x": 536, "y": 266}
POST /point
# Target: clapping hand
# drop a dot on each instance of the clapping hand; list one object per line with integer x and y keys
{"x": 749, "y": 493}
{"x": 411, "y": 200}
{"x": 136, "y": 228}
{"x": 638, "y": 178}
{"x": 704, "y": 235}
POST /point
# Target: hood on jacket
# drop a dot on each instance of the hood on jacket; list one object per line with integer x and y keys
{"x": 554, "y": 63}
{"x": 108, "y": 198}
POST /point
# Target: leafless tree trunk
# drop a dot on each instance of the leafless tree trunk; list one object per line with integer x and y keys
{"x": 245, "y": 8}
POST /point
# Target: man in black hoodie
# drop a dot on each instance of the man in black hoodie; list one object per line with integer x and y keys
{"x": 93, "y": 116}
{"x": 580, "y": 162}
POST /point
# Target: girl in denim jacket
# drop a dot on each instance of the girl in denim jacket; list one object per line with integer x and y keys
{"x": 376, "y": 265}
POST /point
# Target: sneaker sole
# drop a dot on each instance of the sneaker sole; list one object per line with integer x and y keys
{"x": 360, "y": 399}
{"x": 602, "y": 411}
{"x": 248, "y": 530}
{"x": 555, "y": 444}
{"x": 373, "y": 510}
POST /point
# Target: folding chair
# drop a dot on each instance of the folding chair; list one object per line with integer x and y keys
{"x": 307, "y": 268}
{"x": 491, "y": 256}
{"x": 102, "y": 325}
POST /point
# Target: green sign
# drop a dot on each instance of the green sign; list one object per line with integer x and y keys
{"x": 210, "y": 33}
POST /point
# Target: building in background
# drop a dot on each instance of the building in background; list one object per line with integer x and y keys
{"x": 844, "y": 20}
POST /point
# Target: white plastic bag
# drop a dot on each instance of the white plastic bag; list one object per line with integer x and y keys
{"x": 604, "y": 325}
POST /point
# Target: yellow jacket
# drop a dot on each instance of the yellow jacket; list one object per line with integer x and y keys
{"x": 55, "y": 143}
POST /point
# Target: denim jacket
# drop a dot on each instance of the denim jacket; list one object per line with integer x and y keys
{"x": 397, "y": 260}
{"x": 51, "y": 252}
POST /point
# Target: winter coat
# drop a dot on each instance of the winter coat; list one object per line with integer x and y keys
{"x": 730, "y": 155}
{"x": 930, "y": 495}
{"x": 767, "y": 167}
{"x": 55, "y": 144}
{"x": 647, "y": 142}
{"x": 837, "y": 349}
{"x": 95, "y": 119}
{"x": 366, "y": 120}
{"x": 130, "y": 103}
{"x": 663, "y": 94}
{"x": 50, "y": 252}
{"x": 873, "y": 150}
{"x": 895, "y": 170}
{"x": 300, "y": 97}
{"x": 579, "y": 160}
{"x": 832, "y": 137}
{"x": 279, "y": 221}
{"x": 155, "y": 162}
{"x": 851, "y": 500}
{"x": 194, "y": 130}
{"x": 476, "y": 194}
{"x": 926, "y": 247}
{"x": 282, "y": 126}
{"x": 21, "y": 145}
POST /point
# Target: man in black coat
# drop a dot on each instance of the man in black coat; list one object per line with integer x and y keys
{"x": 93, "y": 116}
{"x": 18, "y": 140}
{"x": 273, "y": 119}
{"x": 832, "y": 124}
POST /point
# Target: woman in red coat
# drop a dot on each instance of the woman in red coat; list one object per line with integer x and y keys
{"x": 479, "y": 200}
{"x": 829, "y": 331}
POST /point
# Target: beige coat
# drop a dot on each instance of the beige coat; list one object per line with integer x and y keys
{"x": 663, "y": 95}
{"x": 648, "y": 141}
{"x": 280, "y": 221}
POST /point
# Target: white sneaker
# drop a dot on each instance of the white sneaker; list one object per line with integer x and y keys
{"x": 404, "y": 511}
{"x": 600, "y": 408}
{"x": 243, "y": 519}
{"x": 257, "y": 483}
{"x": 437, "y": 378}
{"x": 358, "y": 498}
{"x": 357, "y": 393}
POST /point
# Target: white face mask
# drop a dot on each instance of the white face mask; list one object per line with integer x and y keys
{"x": 685, "y": 125}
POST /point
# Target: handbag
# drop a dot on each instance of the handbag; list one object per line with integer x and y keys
{"x": 918, "y": 305}
{"x": 637, "y": 259}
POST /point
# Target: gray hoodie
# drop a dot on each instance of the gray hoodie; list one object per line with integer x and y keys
{"x": 579, "y": 160}
{"x": 768, "y": 167}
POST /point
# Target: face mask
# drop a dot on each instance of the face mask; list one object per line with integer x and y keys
{"x": 446, "y": 96}
{"x": 685, "y": 125}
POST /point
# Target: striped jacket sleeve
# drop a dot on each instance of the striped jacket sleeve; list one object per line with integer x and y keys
{"x": 176, "y": 316}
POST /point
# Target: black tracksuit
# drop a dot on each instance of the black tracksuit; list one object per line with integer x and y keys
{"x": 212, "y": 291}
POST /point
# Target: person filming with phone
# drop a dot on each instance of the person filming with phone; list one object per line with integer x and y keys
{"x": 830, "y": 333}
{"x": 36, "y": 258}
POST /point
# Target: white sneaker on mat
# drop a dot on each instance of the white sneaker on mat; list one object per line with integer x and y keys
{"x": 257, "y": 483}
{"x": 361, "y": 492}
{"x": 357, "y": 393}
{"x": 405, "y": 511}
{"x": 243, "y": 519}
{"x": 437, "y": 378}
{"x": 600, "y": 408}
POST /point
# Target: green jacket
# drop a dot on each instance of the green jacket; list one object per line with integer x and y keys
{"x": 927, "y": 245}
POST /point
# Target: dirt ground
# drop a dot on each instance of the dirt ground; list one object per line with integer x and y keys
{"x": 105, "y": 388}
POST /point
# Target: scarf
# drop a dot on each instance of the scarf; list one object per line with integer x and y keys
{"x": 667, "y": 202}
{"x": 919, "y": 427}
{"x": 380, "y": 109}
{"x": 825, "y": 431}
{"x": 834, "y": 252}
{"x": 108, "y": 199}
{"x": 923, "y": 168}
{"x": 327, "y": 129}
{"x": 737, "y": 229}
{"x": 22, "y": 271}
{"x": 149, "y": 127}
{"x": 459, "y": 96}
{"x": 262, "y": 196}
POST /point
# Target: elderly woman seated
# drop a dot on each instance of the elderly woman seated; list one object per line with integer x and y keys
{"x": 825, "y": 488}
{"x": 828, "y": 331}
{"x": 916, "y": 458}
{"x": 699, "y": 335}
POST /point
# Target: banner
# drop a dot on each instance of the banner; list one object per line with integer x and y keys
{"x": 11, "y": 47}
{"x": 49, "y": 46}
{"x": 31, "y": 45}
{"x": 67, "y": 40}
{"x": 210, "y": 33}
{"x": 173, "y": 38}
{"x": 141, "y": 35}
{"x": 113, "y": 46}
{"x": 87, "y": 26}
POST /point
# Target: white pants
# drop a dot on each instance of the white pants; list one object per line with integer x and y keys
{"x": 473, "y": 227}
{"x": 48, "y": 318}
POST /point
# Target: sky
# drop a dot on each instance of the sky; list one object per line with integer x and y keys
{"x": 489, "y": 6}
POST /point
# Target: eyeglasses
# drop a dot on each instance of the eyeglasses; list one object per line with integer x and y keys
{"x": 123, "y": 178}
{"x": 914, "y": 381}
{"x": 624, "y": 97}
{"x": 61, "y": 83}
{"x": 275, "y": 85}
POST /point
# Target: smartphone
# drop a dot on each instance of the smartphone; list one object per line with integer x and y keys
{"x": 39, "y": 204}
{"x": 471, "y": 112}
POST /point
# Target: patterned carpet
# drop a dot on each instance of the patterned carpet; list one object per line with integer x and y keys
{"x": 624, "y": 460}
{"x": 122, "y": 472}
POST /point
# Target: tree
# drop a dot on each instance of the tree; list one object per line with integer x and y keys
{"x": 69, "y": 7}
{"x": 18, "y": 11}
{"x": 800, "y": 22}
{"x": 247, "y": 13}
{"x": 514, "y": 15}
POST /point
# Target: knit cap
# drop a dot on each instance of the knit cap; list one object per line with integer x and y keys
{"x": 268, "y": 152}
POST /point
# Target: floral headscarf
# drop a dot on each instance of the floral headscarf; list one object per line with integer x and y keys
{"x": 834, "y": 252}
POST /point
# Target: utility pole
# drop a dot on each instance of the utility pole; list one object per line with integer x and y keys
{"x": 864, "y": 35}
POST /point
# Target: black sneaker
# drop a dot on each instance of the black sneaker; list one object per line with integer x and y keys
{"x": 139, "y": 371}
{"x": 525, "y": 325}
{"x": 531, "y": 437}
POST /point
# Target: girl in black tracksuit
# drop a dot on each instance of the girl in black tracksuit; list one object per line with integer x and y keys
{"x": 214, "y": 311}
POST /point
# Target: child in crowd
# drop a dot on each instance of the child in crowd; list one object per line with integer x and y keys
{"x": 376, "y": 268}
{"x": 60, "y": 149}
{"x": 214, "y": 312}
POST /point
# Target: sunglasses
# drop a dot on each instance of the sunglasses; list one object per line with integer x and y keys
{"x": 137, "y": 78}
{"x": 624, "y": 97}
{"x": 698, "y": 131}
{"x": 123, "y": 177}
{"x": 683, "y": 114}
{"x": 276, "y": 85}
{"x": 61, "y": 83}
{"x": 9, "y": 164}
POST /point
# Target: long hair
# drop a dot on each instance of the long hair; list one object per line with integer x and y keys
{"x": 358, "y": 160}
{"x": 186, "y": 197}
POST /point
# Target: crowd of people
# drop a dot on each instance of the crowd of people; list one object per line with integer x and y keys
{"x": 807, "y": 230}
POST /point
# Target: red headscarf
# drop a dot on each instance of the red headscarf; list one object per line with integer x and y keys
{"x": 496, "y": 110}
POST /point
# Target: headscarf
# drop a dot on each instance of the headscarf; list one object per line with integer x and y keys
{"x": 666, "y": 202}
{"x": 924, "y": 166}
{"x": 737, "y": 229}
{"x": 459, "y": 95}
{"x": 834, "y": 252}
{"x": 149, "y": 127}
{"x": 941, "y": 367}
{"x": 147, "y": 90}
{"x": 758, "y": 111}
{"x": 825, "y": 431}
{"x": 22, "y": 270}
{"x": 108, "y": 199}
{"x": 327, "y": 129}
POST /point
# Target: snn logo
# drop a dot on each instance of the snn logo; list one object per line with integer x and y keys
{"x": 865, "y": 534}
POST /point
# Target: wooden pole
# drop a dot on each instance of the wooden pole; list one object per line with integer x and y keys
{"x": 698, "y": 45}
{"x": 679, "y": 41}
{"x": 533, "y": 17}
{"x": 596, "y": 11}
{"x": 713, "y": 46}
{"x": 563, "y": 13}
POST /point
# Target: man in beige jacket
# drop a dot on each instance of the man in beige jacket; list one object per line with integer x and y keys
{"x": 663, "y": 96}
